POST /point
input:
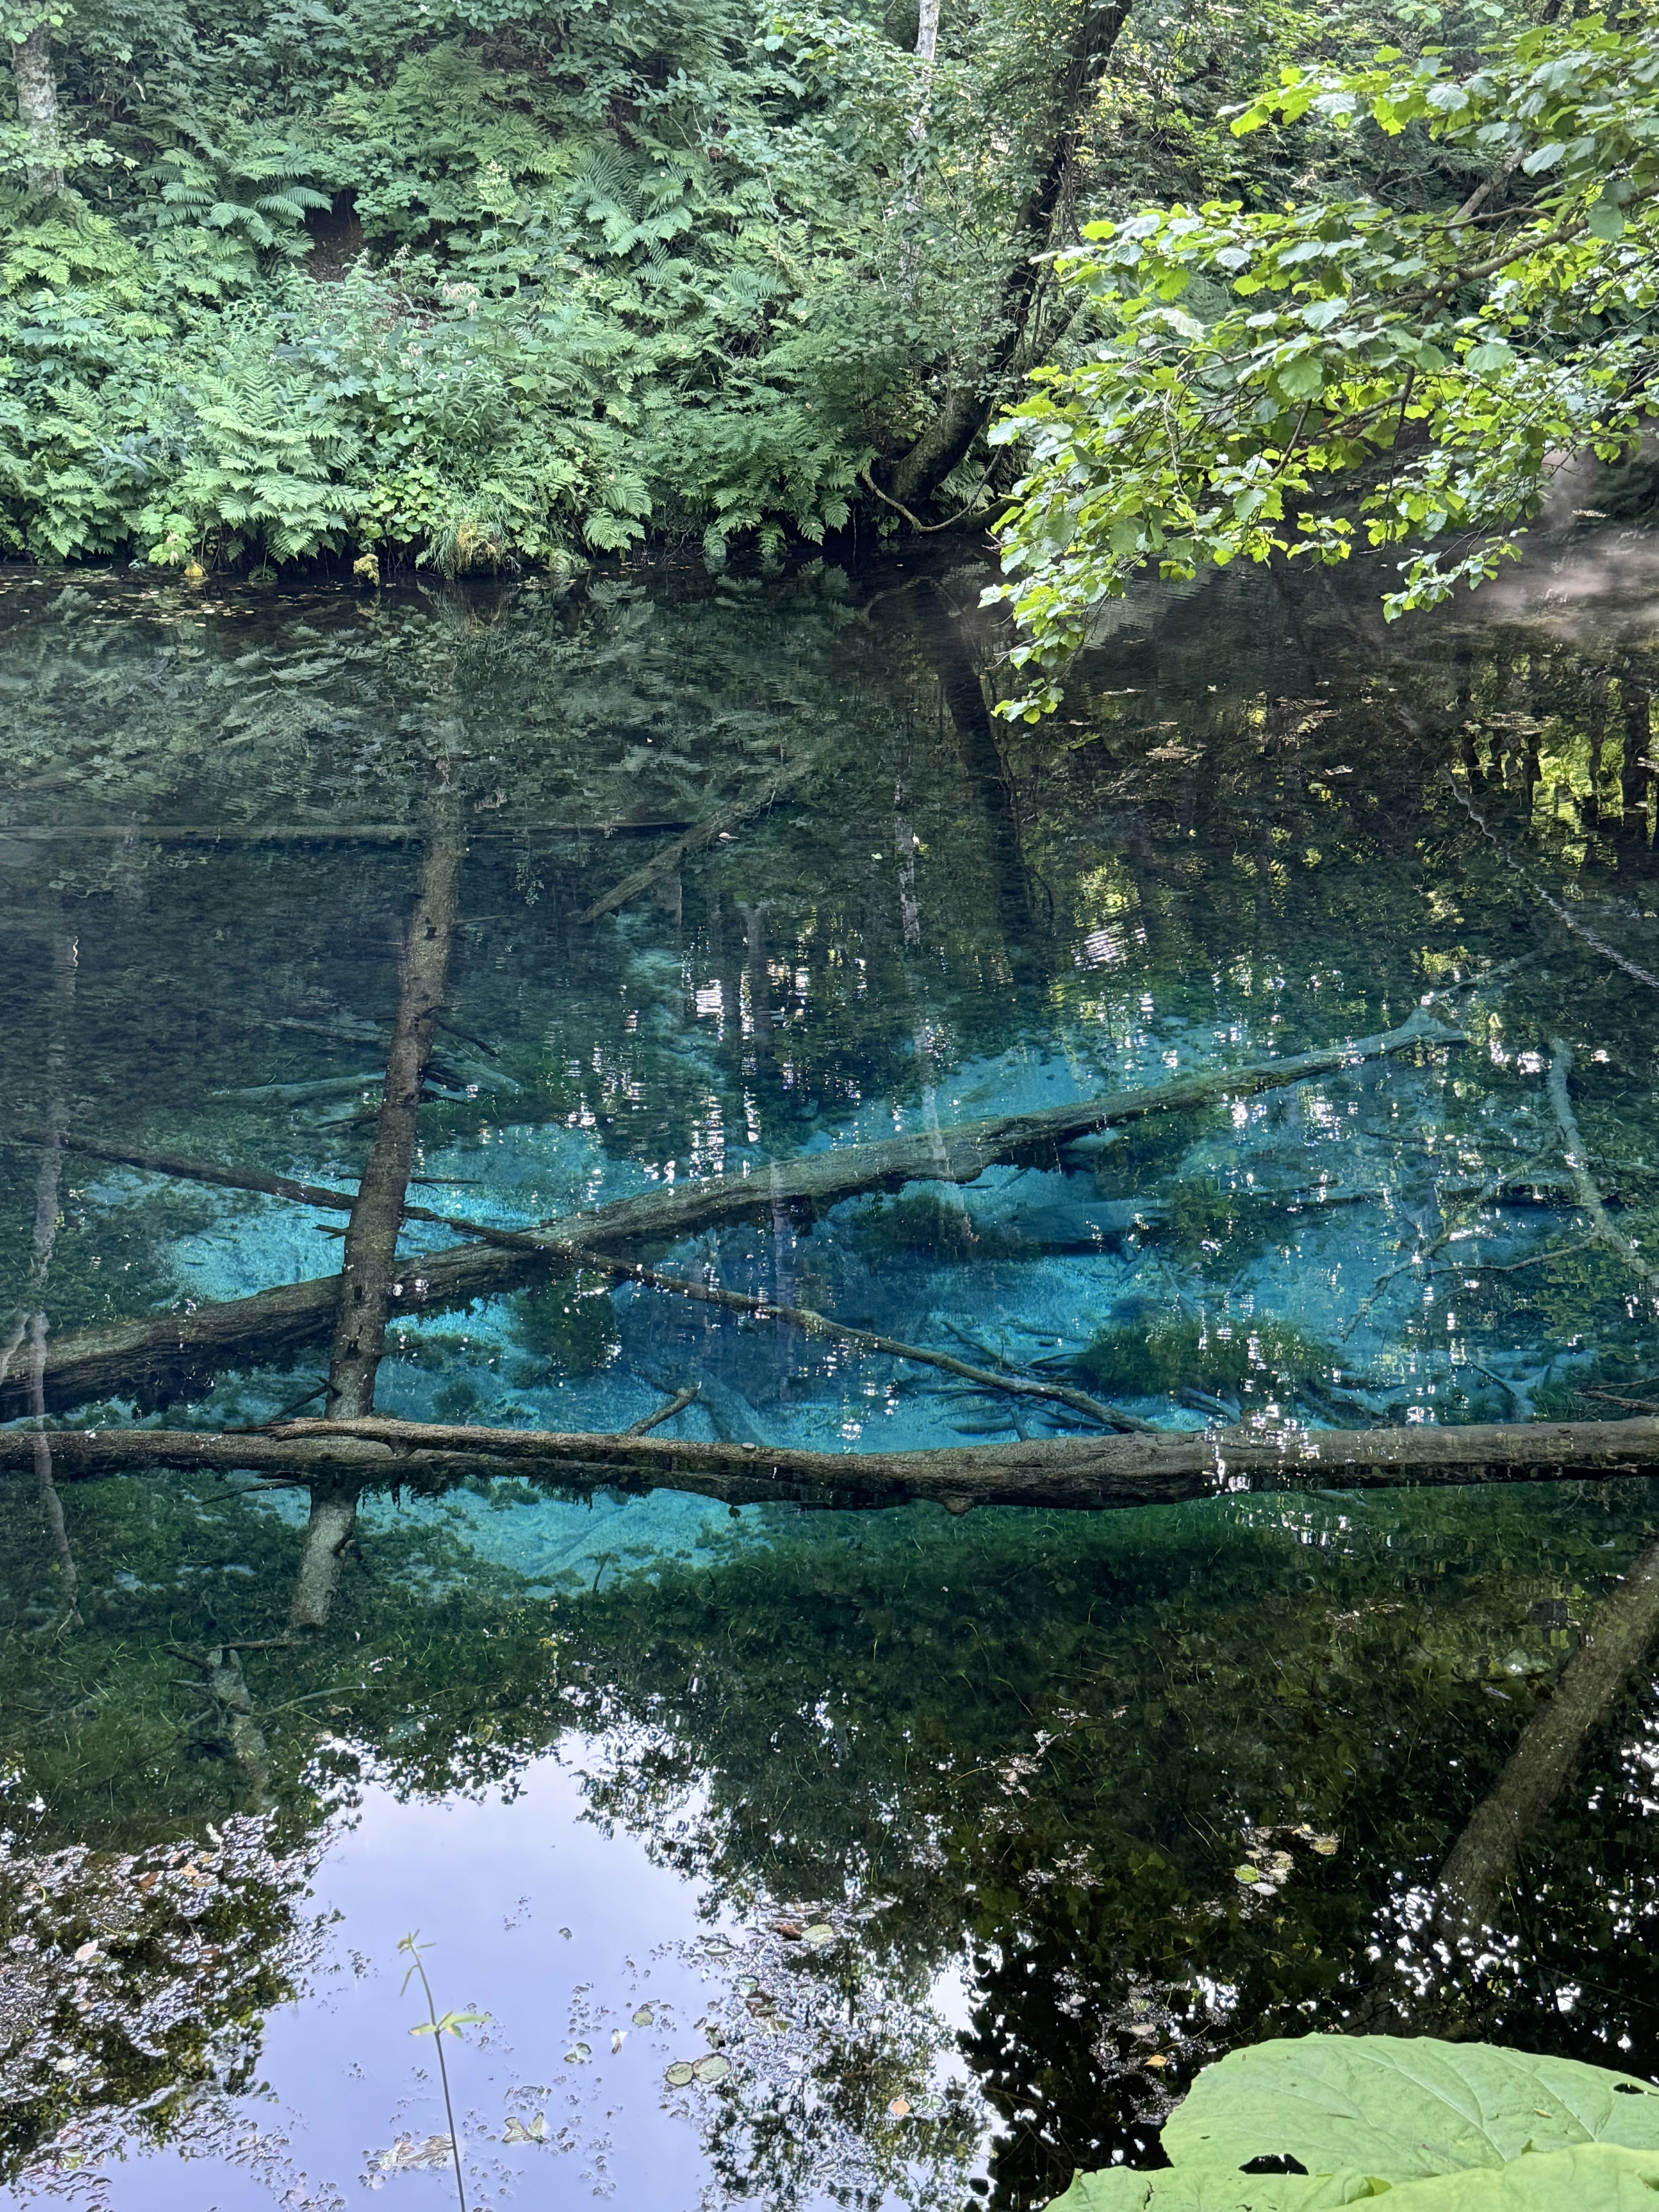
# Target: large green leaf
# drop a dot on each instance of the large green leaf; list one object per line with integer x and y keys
{"x": 1401, "y": 2107}
{"x": 1118, "y": 2189}
{"x": 1592, "y": 2177}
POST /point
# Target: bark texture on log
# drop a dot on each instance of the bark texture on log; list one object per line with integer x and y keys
{"x": 169, "y": 1352}
{"x": 1074, "y": 1473}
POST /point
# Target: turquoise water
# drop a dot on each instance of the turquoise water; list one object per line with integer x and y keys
{"x": 925, "y": 1829}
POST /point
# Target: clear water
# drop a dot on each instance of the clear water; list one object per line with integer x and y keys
{"x": 925, "y": 1827}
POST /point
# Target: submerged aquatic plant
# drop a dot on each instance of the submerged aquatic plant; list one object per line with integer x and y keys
{"x": 570, "y": 1324}
{"x": 1180, "y": 1354}
{"x": 438, "y": 2025}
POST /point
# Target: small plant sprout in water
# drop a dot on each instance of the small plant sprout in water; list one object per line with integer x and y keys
{"x": 438, "y": 2025}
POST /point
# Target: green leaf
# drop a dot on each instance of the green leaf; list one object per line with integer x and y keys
{"x": 1606, "y": 221}
{"x": 452, "y": 2022}
{"x": 1492, "y": 356}
{"x": 1593, "y": 2177}
{"x": 1401, "y": 2109}
{"x": 1117, "y": 2188}
{"x": 1303, "y": 378}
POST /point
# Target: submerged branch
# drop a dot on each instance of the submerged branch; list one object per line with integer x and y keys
{"x": 1412, "y": 1989}
{"x": 214, "y": 1172}
{"x": 817, "y": 1324}
{"x": 1539, "y": 1767}
{"x": 1563, "y": 914}
{"x": 154, "y": 1358}
{"x": 700, "y": 834}
{"x": 1590, "y": 1198}
{"x": 65, "y": 958}
{"x": 677, "y": 1404}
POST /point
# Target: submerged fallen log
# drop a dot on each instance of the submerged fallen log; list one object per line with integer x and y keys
{"x": 1484, "y": 1857}
{"x": 695, "y": 839}
{"x": 1414, "y": 1992}
{"x": 368, "y": 1264}
{"x": 1072, "y": 1474}
{"x": 167, "y": 1353}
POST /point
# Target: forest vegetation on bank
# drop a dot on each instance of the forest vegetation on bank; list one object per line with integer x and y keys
{"x": 480, "y": 283}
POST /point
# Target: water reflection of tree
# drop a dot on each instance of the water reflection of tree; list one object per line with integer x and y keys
{"x": 133, "y": 1993}
{"x": 1030, "y": 1747}
{"x": 1040, "y": 1741}
{"x": 1063, "y": 1779}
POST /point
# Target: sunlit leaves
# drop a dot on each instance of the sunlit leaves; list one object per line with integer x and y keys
{"x": 1365, "y": 375}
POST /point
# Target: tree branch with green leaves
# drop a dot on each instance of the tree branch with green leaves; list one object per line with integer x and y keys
{"x": 1301, "y": 380}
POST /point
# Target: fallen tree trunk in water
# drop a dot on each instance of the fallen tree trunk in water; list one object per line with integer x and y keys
{"x": 695, "y": 839}
{"x": 1074, "y": 1473}
{"x": 152, "y": 1358}
{"x": 368, "y": 1268}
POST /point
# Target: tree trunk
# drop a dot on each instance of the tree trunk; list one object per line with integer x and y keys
{"x": 370, "y": 1264}
{"x": 368, "y": 1272}
{"x": 1080, "y": 1474}
{"x": 328, "y": 1530}
{"x": 36, "y": 111}
{"x": 970, "y": 399}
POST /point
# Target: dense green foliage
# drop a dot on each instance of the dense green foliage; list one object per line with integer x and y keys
{"x": 494, "y": 281}
{"x": 1289, "y": 380}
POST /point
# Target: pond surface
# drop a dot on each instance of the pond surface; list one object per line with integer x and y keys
{"x": 800, "y": 1858}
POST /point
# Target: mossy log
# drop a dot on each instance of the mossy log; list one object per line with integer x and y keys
{"x": 166, "y": 1354}
{"x": 1073, "y": 1473}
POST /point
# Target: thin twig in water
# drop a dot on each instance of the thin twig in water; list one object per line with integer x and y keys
{"x": 817, "y": 1324}
{"x": 451, "y": 2023}
{"x": 1537, "y": 1260}
{"x": 1568, "y": 920}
